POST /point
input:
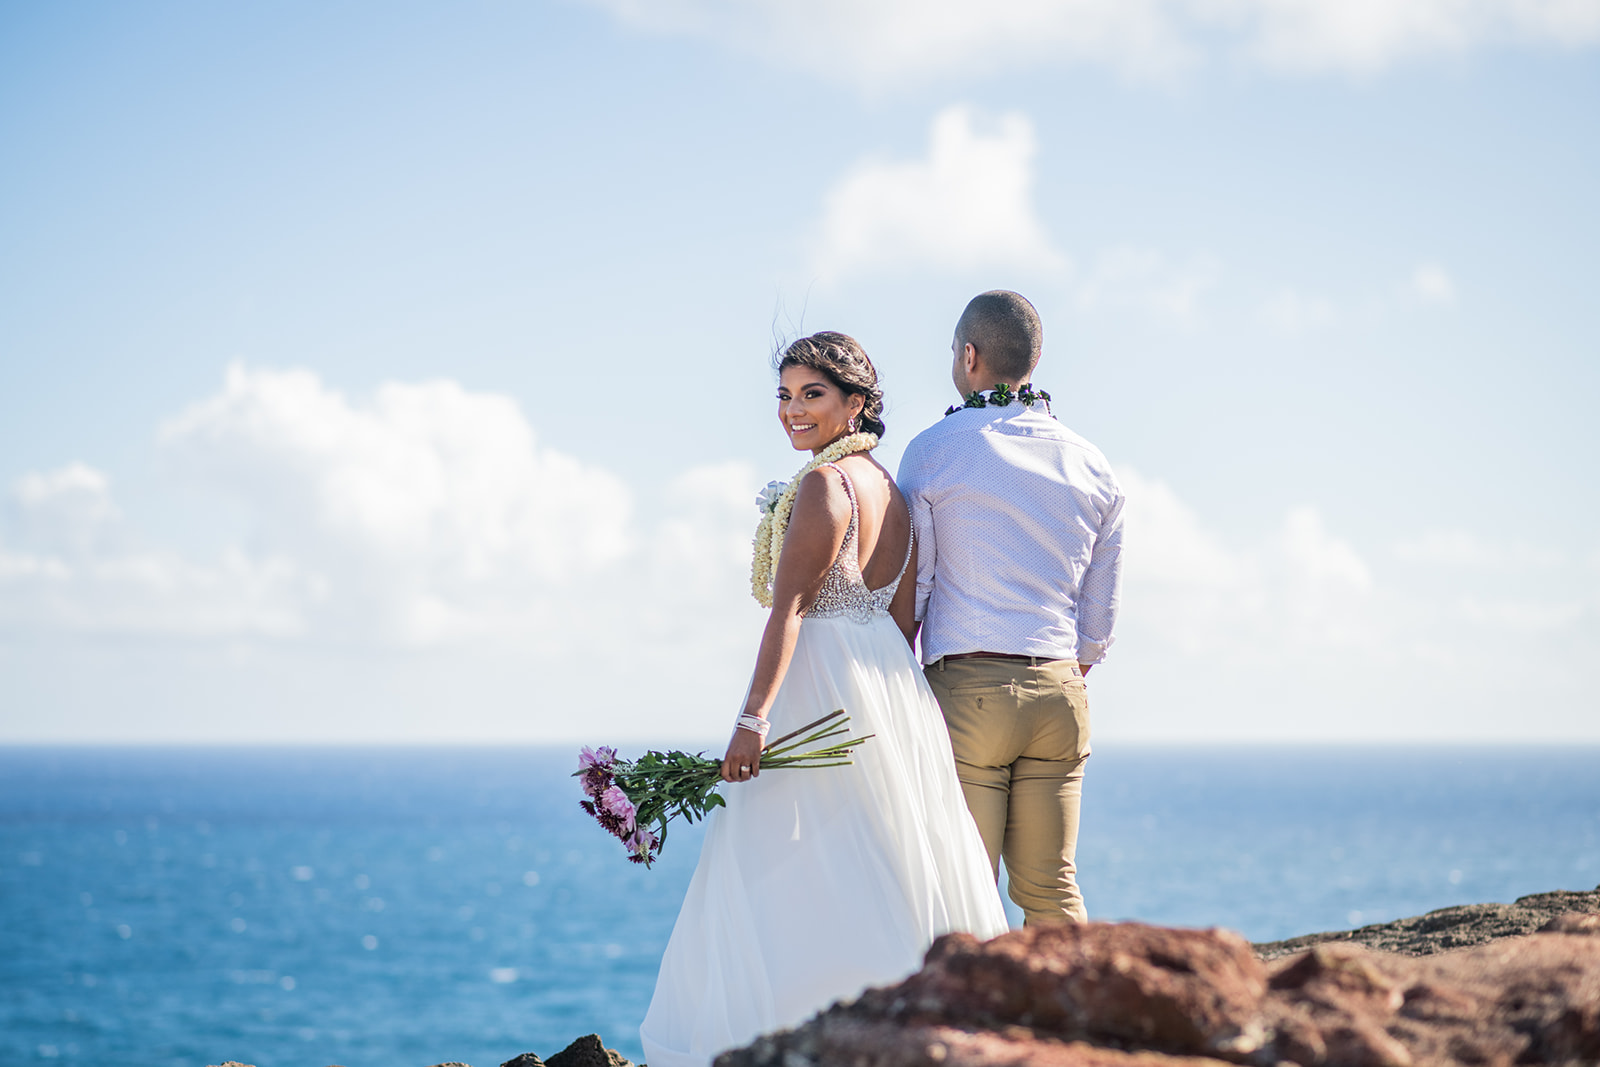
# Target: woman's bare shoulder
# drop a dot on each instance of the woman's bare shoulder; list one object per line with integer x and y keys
{"x": 871, "y": 477}
{"x": 823, "y": 491}
{"x": 864, "y": 466}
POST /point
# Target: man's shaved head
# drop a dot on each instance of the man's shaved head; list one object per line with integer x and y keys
{"x": 1005, "y": 330}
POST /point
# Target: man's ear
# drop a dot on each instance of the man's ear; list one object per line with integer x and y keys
{"x": 969, "y": 360}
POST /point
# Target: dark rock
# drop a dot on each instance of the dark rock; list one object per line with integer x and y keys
{"x": 452, "y": 1063}
{"x": 1128, "y": 995}
{"x": 1573, "y": 922}
{"x": 588, "y": 1051}
{"x": 1449, "y": 928}
{"x": 526, "y": 1059}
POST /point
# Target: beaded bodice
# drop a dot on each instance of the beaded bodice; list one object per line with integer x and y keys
{"x": 844, "y": 593}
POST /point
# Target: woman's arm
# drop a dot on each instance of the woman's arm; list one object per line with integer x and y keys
{"x": 817, "y": 528}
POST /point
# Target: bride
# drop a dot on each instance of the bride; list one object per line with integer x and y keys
{"x": 814, "y": 885}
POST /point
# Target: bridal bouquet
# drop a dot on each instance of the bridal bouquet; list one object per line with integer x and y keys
{"x": 627, "y": 797}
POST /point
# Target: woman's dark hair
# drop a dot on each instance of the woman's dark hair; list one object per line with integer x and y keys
{"x": 845, "y": 362}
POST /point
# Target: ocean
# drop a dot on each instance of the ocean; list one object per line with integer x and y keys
{"x": 407, "y": 907}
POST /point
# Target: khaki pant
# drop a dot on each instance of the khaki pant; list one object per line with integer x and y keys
{"x": 1020, "y": 730}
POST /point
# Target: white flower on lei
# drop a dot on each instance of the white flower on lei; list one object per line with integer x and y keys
{"x": 767, "y": 499}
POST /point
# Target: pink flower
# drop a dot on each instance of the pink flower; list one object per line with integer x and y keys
{"x": 594, "y": 769}
{"x": 616, "y": 803}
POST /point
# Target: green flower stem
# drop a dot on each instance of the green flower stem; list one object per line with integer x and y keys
{"x": 835, "y": 730}
{"x": 807, "y": 726}
{"x": 774, "y": 753}
{"x": 810, "y": 758}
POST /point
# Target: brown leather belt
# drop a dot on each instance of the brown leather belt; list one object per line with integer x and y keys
{"x": 996, "y": 655}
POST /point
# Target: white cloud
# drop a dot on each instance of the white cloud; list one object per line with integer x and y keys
{"x": 1294, "y": 312}
{"x": 1299, "y": 590}
{"x": 1507, "y": 587}
{"x": 1449, "y": 548}
{"x": 1296, "y": 589}
{"x": 969, "y": 203}
{"x": 1527, "y": 616}
{"x": 1365, "y": 36}
{"x": 876, "y": 42}
{"x": 706, "y": 538}
{"x": 354, "y": 614}
{"x": 414, "y": 531}
{"x": 69, "y": 509}
{"x": 427, "y": 473}
{"x": 72, "y": 567}
{"x": 1432, "y": 284}
{"x": 423, "y": 529}
{"x": 432, "y": 511}
{"x": 885, "y": 42}
{"x": 1293, "y": 633}
{"x": 427, "y": 516}
{"x": 1464, "y": 550}
{"x": 1147, "y": 281}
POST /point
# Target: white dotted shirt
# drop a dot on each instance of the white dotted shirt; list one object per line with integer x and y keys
{"x": 1019, "y": 536}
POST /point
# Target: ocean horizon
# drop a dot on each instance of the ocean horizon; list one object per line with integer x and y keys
{"x": 402, "y": 906}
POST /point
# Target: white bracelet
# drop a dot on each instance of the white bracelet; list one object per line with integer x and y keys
{"x": 754, "y": 723}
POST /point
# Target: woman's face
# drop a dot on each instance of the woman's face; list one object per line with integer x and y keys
{"x": 812, "y": 410}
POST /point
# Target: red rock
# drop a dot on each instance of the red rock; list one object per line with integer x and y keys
{"x": 1129, "y": 995}
{"x": 841, "y": 1040}
{"x": 1193, "y": 992}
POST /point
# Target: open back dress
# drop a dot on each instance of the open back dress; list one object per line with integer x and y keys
{"x": 814, "y": 884}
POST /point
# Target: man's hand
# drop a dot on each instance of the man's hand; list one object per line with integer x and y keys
{"x": 1083, "y": 669}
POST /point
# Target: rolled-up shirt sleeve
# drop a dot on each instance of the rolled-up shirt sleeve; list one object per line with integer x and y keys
{"x": 913, "y": 484}
{"x": 1100, "y": 593}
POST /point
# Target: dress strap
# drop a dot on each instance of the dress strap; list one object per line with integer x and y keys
{"x": 911, "y": 542}
{"x": 849, "y": 491}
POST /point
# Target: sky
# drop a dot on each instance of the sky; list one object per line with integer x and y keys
{"x": 400, "y": 373}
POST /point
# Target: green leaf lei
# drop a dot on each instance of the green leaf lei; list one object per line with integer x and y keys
{"x": 1001, "y": 395}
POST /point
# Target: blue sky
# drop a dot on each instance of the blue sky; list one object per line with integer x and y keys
{"x": 399, "y": 372}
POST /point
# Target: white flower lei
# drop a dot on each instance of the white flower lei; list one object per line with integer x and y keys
{"x": 777, "y": 502}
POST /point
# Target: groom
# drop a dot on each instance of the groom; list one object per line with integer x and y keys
{"x": 1019, "y": 531}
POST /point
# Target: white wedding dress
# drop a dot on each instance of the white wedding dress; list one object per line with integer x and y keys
{"x": 816, "y": 883}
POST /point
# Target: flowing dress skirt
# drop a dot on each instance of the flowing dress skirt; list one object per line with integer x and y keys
{"x": 816, "y": 883}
